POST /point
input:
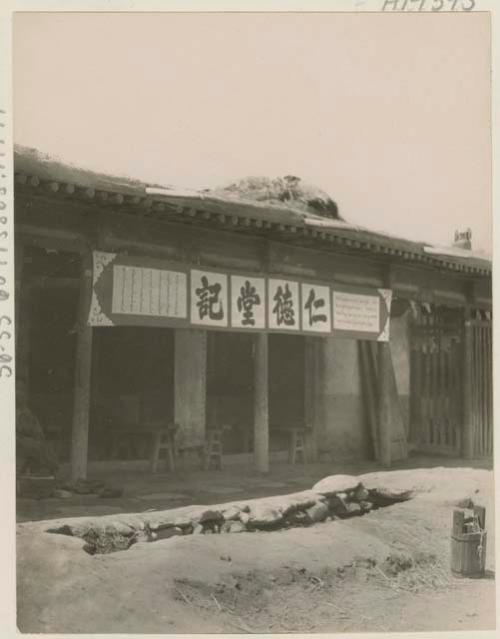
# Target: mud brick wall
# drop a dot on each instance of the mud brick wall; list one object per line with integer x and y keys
{"x": 341, "y": 420}
{"x": 343, "y": 429}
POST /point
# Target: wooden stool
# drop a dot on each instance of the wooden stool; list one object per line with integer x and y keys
{"x": 163, "y": 439}
{"x": 297, "y": 445}
{"x": 214, "y": 450}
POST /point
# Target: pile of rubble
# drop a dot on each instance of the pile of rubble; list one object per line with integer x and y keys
{"x": 335, "y": 497}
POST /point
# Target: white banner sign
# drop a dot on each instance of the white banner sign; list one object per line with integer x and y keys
{"x": 149, "y": 291}
{"x": 133, "y": 291}
{"x": 353, "y": 312}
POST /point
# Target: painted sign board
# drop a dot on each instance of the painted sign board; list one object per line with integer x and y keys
{"x": 136, "y": 291}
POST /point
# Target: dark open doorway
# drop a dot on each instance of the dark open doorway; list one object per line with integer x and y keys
{"x": 46, "y": 340}
{"x": 286, "y": 387}
{"x": 132, "y": 385}
{"x": 230, "y": 388}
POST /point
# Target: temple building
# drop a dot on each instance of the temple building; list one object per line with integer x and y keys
{"x": 256, "y": 311}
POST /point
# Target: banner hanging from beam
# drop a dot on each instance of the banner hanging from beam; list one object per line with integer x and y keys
{"x": 136, "y": 291}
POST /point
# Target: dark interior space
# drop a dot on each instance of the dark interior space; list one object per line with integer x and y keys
{"x": 47, "y": 340}
{"x": 230, "y": 388}
{"x": 286, "y": 386}
{"x": 133, "y": 385}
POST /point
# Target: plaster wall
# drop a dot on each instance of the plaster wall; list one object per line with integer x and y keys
{"x": 341, "y": 421}
{"x": 342, "y": 427}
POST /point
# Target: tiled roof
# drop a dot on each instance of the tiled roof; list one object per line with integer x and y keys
{"x": 34, "y": 169}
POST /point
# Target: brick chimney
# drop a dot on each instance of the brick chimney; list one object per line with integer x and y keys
{"x": 463, "y": 239}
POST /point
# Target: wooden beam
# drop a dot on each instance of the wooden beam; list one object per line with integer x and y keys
{"x": 58, "y": 239}
{"x": 261, "y": 403}
{"x": 386, "y": 388}
{"x": 83, "y": 364}
{"x": 44, "y": 282}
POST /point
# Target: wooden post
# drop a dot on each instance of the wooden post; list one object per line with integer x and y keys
{"x": 468, "y": 407}
{"x": 95, "y": 407}
{"x": 190, "y": 386}
{"x": 310, "y": 396}
{"x": 416, "y": 388}
{"x": 384, "y": 402}
{"x": 81, "y": 406}
{"x": 261, "y": 410}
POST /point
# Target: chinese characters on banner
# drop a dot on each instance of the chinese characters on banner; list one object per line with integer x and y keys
{"x": 248, "y": 302}
{"x": 316, "y": 308}
{"x": 283, "y": 305}
{"x": 132, "y": 291}
{"x": 209, "y": 298}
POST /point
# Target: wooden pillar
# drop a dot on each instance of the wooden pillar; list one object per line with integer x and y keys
{"x": 190, "y": 385}
{"x": 310, "y": 396}
{"x": 81, "y": 405}
{"x": 468, "y": 381}
{"x": 384, "y": 403}
{"x": 261, "y": 408}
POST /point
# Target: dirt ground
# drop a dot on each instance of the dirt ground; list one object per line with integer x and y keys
{"x": 164, "y": 490}
{"x": 385, "y": 571}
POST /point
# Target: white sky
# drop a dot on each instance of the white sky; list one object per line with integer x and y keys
{"x": 389, "y": 113}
